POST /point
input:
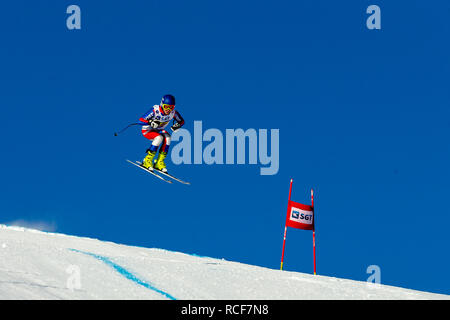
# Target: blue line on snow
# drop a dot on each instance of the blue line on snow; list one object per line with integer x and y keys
{"x": 127, "y": 274}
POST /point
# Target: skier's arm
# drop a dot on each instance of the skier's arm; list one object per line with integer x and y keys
{"x": 178, "y": 121}
{"x": 147, "y": 117}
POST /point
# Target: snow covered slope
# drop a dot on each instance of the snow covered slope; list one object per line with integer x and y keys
{"x": 40, "y": 265}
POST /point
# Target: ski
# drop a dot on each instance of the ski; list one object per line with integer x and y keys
{"x": 138, "y": 164}
{"x": 172, "y": 177}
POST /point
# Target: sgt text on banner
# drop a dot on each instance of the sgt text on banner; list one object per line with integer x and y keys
{"x": 300, "y": 216}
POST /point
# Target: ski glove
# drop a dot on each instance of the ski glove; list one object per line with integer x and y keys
{"x": 154, "y": 124}
{"x": 176, "y": 126}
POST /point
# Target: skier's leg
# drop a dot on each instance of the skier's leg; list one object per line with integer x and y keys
{"x": 156, "y": 139}
{"x": 166, "y": 142}
{"x": 160, "y": 164}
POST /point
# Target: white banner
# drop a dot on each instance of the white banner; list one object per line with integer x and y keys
{"x": 301, "y": 216}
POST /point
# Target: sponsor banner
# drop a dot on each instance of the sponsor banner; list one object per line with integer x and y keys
{"x": 300, "y": 216}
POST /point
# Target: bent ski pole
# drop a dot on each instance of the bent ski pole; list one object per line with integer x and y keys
{"x": 131, "y": 124}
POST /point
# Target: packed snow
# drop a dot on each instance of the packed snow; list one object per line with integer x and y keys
{"x": 41, "y": 265}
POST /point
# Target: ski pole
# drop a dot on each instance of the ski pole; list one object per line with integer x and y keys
{"x": 131, "y": 124}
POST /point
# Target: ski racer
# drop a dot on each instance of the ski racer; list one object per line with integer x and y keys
{"x": 155, "y": 121}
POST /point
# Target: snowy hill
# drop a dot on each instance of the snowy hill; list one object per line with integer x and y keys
{"x": 40, "y": 265}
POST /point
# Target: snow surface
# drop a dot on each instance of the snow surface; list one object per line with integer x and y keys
{"x": 41, "y": 265}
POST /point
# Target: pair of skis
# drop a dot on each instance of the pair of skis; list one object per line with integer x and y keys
{"x": 157, "y": 173}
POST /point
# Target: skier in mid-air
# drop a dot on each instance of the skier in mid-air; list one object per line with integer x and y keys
{"x": 154, "y": 122}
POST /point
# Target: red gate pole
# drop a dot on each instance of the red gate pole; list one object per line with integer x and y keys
{"x": 285, "y": 228}
{"x": 314, "y": 230}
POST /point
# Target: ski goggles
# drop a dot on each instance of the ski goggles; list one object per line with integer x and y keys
{"x": 168, "y": 107}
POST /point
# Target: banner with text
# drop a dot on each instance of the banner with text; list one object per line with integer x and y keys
{"x": 300, "y": 216}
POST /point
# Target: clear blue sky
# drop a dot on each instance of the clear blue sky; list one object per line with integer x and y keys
{"x": 363, "y": 116}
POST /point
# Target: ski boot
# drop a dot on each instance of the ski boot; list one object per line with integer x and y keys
{"x": 148, "y": 160}
{"x": 159, "y": 163}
